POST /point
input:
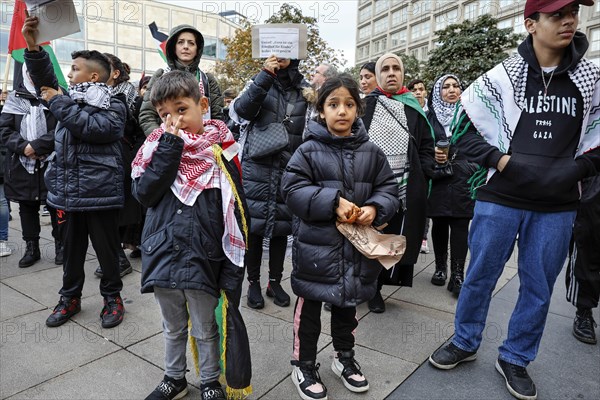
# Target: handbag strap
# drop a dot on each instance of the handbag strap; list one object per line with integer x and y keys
{"x": 290, "y": 107}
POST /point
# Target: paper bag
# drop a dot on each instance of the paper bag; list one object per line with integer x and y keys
{"x": 383, "y": 247}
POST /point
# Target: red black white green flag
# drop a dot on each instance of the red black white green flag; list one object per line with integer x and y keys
{"x": 160, "y": 38}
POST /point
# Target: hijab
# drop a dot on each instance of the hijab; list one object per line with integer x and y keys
{"x": 444, "y": 111}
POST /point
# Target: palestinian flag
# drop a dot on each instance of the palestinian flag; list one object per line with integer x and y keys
{"x": 161, "y": 40}
{"x": 17, "y": 45}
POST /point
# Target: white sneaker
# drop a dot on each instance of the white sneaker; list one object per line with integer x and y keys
{"x": 308, "y": 382}
{"x": 345, "y": 366}
{"x": 4, "y": 249}
{"x": 45, "y": 212}
{"x": 424, "y": 247}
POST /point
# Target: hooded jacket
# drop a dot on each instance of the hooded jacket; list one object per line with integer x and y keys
{"x": 21, "y": 185}
{"x": 264, "y": 100}
{"x": 149, "y": 119}
{"x": 326, "y": 266}
{"x": 543, "y": 172}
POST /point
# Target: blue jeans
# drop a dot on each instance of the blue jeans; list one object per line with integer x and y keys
{"x": 3, "y": 214}
{"x": 543, "y": 248}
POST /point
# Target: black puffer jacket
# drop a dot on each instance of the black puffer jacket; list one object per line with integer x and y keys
{"x": 149, "y": 119}
{"x": 327, "y": 267}
{"x": 86, "y": 172}
{"x": 20, "y": 185}
{"x": 450, "y": 196}
{"x": 181, "y": 245}
{"x": 263, "y": 101}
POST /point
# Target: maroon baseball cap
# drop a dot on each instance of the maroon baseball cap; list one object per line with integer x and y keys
{"x": 550, "y": 6}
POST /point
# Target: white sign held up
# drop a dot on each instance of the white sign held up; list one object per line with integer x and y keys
{"x": 283, "y": 40}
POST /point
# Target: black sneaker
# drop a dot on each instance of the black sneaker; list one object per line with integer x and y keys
{"x": 112, "y": 312}
{"x": 307, "y": 380}
{"x": 255, "y": 299}
{"x": 584, "y": 325}
{"x": 212, "y": 391}
{"x": 169, "y": 389}
{"x": 136, "y": 253}
{"x": 125, "y": 268}
{"x": 280, "y": 297}
{"x": 376, "y": 304}
{"x": 65, "y": 309}
{"x": 327, "y": 307}
{"x": 450, "y": 356}
{"x": 345, "y": 366}
{"x": 517, "y": 379}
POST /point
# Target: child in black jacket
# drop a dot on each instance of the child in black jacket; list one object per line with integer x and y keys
{"x": 194, "y": 236}
{"x": 337, "y": 172}
{"x": 85, "y": 175}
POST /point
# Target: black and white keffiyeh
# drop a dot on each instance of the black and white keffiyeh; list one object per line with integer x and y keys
{"x": 444, "y": 111}
{"x": 389, "y": 131}
{"x": 129, "y": 91}
{"x": 91, "y": 93}
{"x": 33, "y": 124}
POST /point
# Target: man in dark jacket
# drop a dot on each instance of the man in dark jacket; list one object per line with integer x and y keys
{"x": 184, "y": 49}
{"x": 85, "y": 176}
{"x": 533, "y": 122}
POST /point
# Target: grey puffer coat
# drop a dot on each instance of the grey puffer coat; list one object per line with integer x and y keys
{"x": 86, "y": 171}
{"x": 264, "y": 101}
{"x": 326, "y": 266}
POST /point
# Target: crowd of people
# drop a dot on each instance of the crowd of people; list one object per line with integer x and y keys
{"x": 197, "y": 182}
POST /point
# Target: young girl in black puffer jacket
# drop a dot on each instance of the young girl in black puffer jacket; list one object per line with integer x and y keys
{"x": 337, "y": 170}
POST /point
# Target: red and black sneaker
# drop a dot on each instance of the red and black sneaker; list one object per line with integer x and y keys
{"x": 65, "y": 309}
{"x": 112, "y": 312}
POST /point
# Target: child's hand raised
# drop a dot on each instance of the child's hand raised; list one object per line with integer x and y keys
{"x": 30, "y": 32}
{"x": 171, "y": 128}
{"x": 48, "y": 93}
{"x": 367, "y": 215}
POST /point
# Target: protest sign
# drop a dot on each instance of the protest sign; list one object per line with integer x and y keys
{"x": 58, "y": 18}
{"x": 283, "y": 40}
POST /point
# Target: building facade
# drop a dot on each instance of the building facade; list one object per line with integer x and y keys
{"x": 408, "y": 26}
{"x": 121, "y": 28}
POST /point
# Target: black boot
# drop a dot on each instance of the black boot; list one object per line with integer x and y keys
{"x": 457, "y": 269}
{"x": 280, "y": 297}
{"x": 32, "y": 254}
{"x": 583, "y": 326}
{"x": 441, "y": 271}
{"x": 58, "y": 252}
{"x": 255, "y": 298}
{"x": 124, "y": 264}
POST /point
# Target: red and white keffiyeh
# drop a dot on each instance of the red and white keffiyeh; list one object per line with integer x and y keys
{"x": 199, "y": 170}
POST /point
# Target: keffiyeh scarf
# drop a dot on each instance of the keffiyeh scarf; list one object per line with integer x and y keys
{"x": 91, "y": 93}
{"x": 495, "y": 101}
{"x": 201, "y": 168}
{"x": 33, "y": 124}
{"x": 129, "y": 91}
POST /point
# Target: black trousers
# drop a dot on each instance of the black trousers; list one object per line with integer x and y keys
{"x": 29, "y": 212}
{"x": 457, "y": 229}
{"x": 102, "y": 227}
{"x": 253, "y": 260}
{"x": 307, "y": 328}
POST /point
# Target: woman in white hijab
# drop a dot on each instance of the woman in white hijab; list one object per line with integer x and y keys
{"x": 397, "y": 124}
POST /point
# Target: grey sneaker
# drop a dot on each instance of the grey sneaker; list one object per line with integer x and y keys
{"x": 450, "y": 356}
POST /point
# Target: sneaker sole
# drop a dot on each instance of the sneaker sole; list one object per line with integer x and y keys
{"x": 126, "y": 271}
{"x": 510, "y": 389}
{"x": 183, "y": 393}
{"x": 450, "y": 366}
{"x": 438, "y": 283}
{"x": 256, "y": 306}
{"x": 584, "y": 339}
{"x": 348, "y": 386}
{"x": 5, "y": 254}
{"x": 302, "y": 395}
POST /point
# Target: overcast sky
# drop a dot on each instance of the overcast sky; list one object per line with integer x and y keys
{"x": 336, "y": 19}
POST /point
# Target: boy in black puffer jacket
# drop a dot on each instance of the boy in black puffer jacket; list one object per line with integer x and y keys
{"x": 85, "y": 174}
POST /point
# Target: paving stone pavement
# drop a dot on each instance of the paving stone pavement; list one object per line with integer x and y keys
{"x": 81, "y": 360}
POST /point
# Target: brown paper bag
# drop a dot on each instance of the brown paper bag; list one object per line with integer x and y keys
{"x": 383, "y": 247}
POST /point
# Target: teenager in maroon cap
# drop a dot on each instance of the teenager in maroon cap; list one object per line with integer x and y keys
{"x": 533, "y": 123}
